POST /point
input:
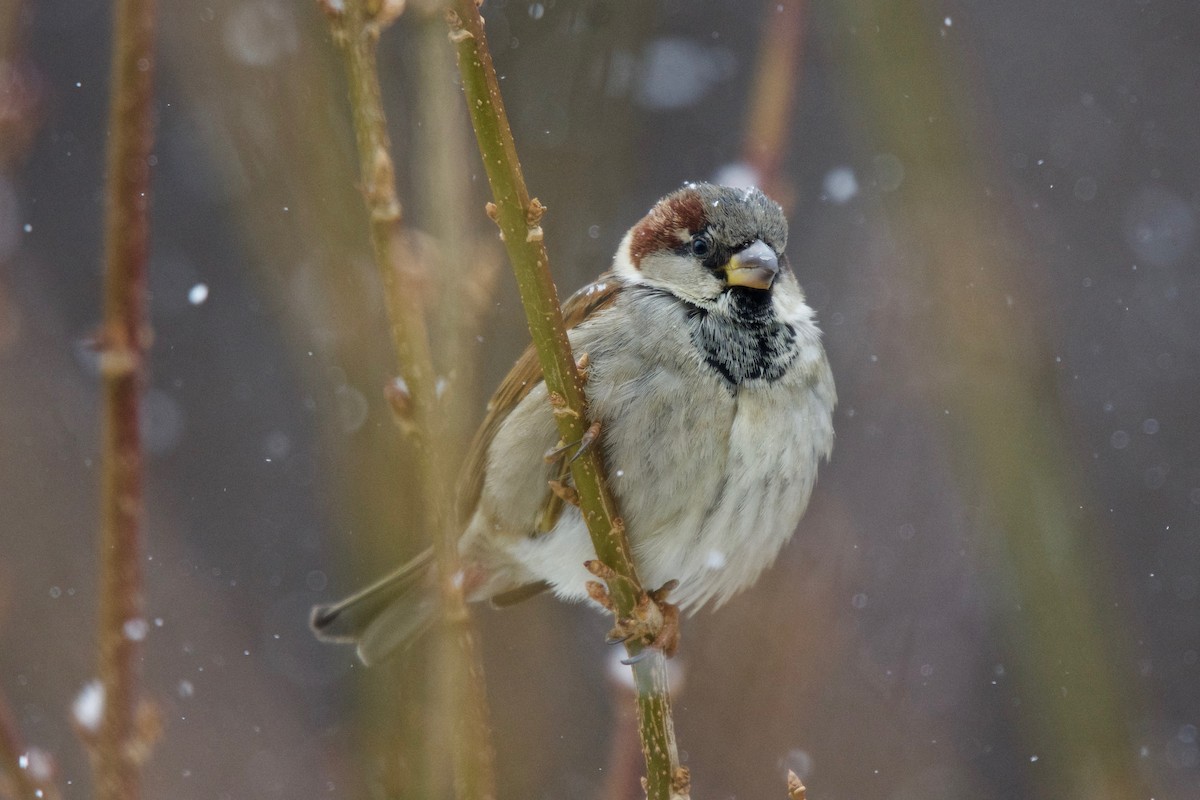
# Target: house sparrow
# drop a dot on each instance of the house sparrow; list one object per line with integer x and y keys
{"x": 715, "y": 402}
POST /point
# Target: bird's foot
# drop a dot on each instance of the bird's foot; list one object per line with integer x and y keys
{"x": 654, "y": 622}
{"x": 659, "y": 620}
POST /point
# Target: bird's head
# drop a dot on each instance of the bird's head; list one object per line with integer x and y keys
{"x": 704, "y": 240}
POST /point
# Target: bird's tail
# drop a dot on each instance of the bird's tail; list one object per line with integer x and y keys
{"x": 386, "y": 615}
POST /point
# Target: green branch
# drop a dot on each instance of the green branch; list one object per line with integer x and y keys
{"x": 122, "y": 342}
{"x": 356, "y": 28}
{"x": 519, "y": 219}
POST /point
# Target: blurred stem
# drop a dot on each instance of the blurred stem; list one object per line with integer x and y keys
{"x": 356, "y": 29}
{"x": 444, "y": 180}
{"x": 1011, "y": 442}
{"x": 519, "y": 220}
{"x": 24, "y": 783}
{"x": 123, "y": 341}
{"x": 780, "y": 70}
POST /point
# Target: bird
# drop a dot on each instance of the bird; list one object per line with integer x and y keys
{"x": 714, "y": 400}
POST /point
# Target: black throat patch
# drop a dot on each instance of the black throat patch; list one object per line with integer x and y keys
{"x": 748, "y": 342}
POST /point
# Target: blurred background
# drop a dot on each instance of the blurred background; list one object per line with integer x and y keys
{"x": 996, "y": 590}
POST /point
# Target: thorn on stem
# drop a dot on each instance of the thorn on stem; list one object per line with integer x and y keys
{"x": 660, "y": 594}
{"x": 148, "y": 729}
{"x": 458, "y": 34}
{"x": 681, "y": 782}
{"x": 795, "y": 787}
{"x": 400, "y": 401}
{"x": 334, "y": 9}
{"x": 533, "y": 214}
{"x": 384, "y": 12}
{"x": 558, "y": 405}
{"x": 601, "y": 570}
{"x": 399, "y": 398}
{"x": 599, "y": 594}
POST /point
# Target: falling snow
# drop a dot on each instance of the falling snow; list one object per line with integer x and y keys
{"x": 840, "y": 185}
{"x": 88, "y": 707}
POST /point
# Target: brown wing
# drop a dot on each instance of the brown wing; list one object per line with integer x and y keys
{"x": 520, "y": 381}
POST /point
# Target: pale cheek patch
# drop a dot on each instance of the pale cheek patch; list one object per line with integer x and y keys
{"x": 623, "y": 263}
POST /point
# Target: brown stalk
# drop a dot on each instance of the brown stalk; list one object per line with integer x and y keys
{"x": 356, "y": 29}
{"x": 123, "y": 340}
{"x": 779, "y": 72}
{"x": 518, "y": 217}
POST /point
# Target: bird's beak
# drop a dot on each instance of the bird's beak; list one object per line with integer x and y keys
{"x": 755, "y": 266}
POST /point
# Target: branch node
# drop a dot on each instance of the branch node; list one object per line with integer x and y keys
{"x": 382, "y": 192}
{"x": 116, "y": 362}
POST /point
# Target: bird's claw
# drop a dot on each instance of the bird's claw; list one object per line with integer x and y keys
{"x": 614, "y": 638}
{"x": 556, "y": 452}
{"x": 589, "y": 438}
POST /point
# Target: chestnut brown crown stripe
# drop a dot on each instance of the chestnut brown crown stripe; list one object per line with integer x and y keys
{"x": 658, "y": 231}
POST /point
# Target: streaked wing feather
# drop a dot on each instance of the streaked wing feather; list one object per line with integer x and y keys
{"x": 520, "y": 381}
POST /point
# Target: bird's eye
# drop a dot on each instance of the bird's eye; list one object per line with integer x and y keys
{"x": 700, "y": 246}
